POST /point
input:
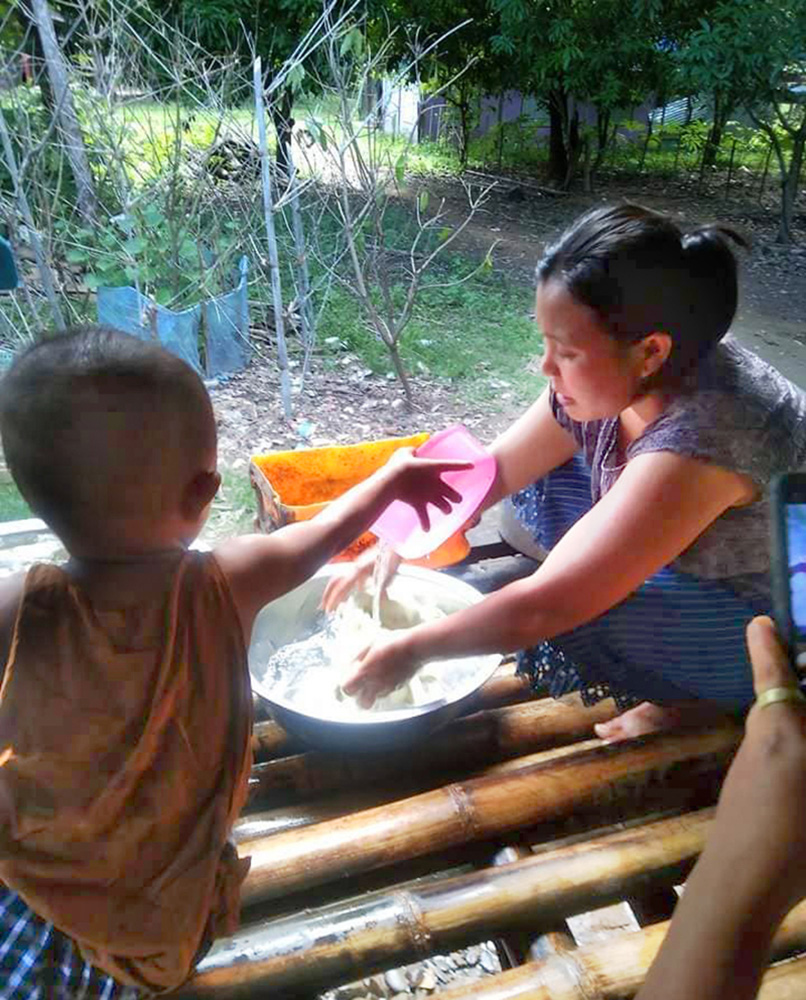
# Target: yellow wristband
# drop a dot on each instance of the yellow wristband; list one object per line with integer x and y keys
{"x": 776, "y": 694}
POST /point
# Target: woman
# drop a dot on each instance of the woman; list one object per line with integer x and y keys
{"x": 643, "y": 469}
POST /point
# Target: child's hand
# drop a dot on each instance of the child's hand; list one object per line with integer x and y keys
{"x": 340, "y": 587}
{"x": 382, "y": 667}
{"x": 418, "y": 482}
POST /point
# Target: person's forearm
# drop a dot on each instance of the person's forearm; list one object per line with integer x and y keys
{"x": 718, "y": 945}
{"x": 515, "y": 617}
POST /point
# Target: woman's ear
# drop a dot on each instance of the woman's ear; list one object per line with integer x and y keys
{"x": 655, "y": 349}
{"x": 199, "y": 494}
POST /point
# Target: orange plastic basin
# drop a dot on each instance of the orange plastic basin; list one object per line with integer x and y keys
{"x": 295, "y": 485}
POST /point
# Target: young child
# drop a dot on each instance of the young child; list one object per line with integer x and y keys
{"x": 125, "y": 707}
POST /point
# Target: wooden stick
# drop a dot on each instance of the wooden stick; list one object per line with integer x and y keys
{"x": 615, "y": 969}
{"x": 318, "y": 948}
{"x": 472, "y": 810}
{"x": 494, "y": 735}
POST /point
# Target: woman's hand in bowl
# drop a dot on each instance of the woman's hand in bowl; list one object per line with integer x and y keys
{"x": 382, "y": 667}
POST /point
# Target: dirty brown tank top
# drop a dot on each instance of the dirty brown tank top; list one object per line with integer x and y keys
{"x": 124, "y": 760}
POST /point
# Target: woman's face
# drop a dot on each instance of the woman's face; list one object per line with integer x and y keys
{"x": 591, "y": 374}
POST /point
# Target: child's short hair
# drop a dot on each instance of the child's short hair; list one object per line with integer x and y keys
{"x": 81, "y": 411}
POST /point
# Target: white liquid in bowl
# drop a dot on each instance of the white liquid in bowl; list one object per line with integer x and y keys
{"x": 309, "y": 672}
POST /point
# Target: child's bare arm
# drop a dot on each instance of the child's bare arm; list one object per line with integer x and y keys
{"x": 10, "y": 596}
{"x": 260, "y": 568}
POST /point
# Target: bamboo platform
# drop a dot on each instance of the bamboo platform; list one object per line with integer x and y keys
{"x": 362, "y": 864}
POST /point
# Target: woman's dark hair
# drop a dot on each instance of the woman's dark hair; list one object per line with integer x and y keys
{"x": 641, "y": 274}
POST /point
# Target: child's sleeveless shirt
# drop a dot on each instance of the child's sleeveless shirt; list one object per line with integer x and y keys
{"x": 124, "y": 760}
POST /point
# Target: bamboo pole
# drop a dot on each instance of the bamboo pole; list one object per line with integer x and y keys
{"x": 470, "y": 810}
{"x": 317, "y": 948}
{"x": 307, "y": 324}
{"x": 271, "y": 238}
{"x": 488, "y": 736}
{"x": 260, "y": 824}
{"x": 615, "y": 969}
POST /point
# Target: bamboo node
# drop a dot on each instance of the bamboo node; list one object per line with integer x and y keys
{"x": 463, "y": 808}
{"x": 411, "y": 916}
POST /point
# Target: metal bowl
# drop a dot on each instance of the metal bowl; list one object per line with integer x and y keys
{"x": 292, "y": 616}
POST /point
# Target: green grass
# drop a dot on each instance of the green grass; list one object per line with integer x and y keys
{"x": 476, "y": 334}
{"x": 233, "y": 510}
{"x": 12, "y": 505}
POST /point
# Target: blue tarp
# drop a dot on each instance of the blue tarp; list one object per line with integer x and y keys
{"x": 226, "y": 325}
{"x": 9, "y": 278}
{"x": 224, "y": 322}
{"x": 125, "y": 309}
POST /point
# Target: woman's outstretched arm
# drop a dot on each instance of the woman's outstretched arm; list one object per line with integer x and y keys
{"x": 659, "y": 505}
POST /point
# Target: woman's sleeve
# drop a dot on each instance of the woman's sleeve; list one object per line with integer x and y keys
{"x": 713, "y": 427}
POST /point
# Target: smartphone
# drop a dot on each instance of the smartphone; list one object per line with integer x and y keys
{"x": 788, "y": 498}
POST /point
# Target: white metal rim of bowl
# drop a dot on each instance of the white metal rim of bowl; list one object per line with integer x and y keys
{"x": 458, "y": 588}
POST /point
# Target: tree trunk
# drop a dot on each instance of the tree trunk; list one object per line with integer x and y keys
{"x": 722, "y": 110}
{"x": 39, "y": 75}
{"x": 603, "y": 137}
{"x": 573, "y": 146}
{"x": 587, "y": 166}
{"x": 280, "y": 112}
{"x": 558, "y": 158}
{"x": 462, "y": 103}
{"x": 65, "y": 109}
{"x": 400, "y": 371}
{"x": 647, "y": 140}
{"x": 500, "y": 130}
{"x": 789, "y": 185}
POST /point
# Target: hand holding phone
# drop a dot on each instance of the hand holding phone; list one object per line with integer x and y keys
{"x": 788, "y": 497}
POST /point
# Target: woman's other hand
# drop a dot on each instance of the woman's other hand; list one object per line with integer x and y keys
{"x": 340, "y": 587}
{"x": 381, "y": 667}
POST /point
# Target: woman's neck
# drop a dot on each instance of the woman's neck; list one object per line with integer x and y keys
{"x": 636, "y": 418}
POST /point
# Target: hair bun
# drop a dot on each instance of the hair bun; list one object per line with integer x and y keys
{"x": 714, "y": 237}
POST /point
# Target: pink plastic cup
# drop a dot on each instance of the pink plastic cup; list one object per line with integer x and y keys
{"x": 399, "y": 525}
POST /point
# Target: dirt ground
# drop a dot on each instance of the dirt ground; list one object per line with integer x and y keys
{"x": 353, "y": 404}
